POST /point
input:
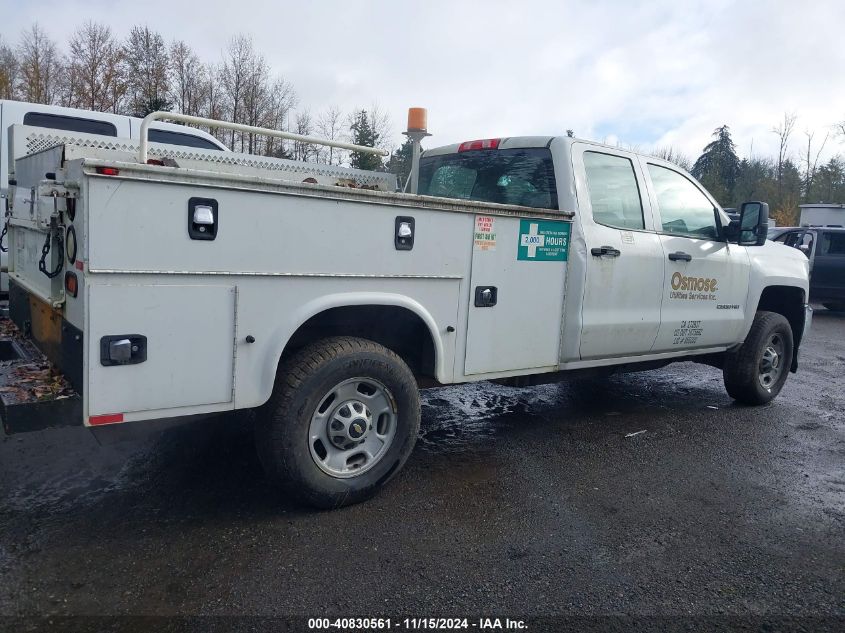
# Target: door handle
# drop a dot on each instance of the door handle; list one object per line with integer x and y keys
{"x": 486, "y": 296}
{"x": 603, "y": 251}
{"x": 680, "y": 256}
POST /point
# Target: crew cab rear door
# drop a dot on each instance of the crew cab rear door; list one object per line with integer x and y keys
{"x": 827, "y": 281}
{"x": 705, "y": 285}
{"x": 624, "y": 258}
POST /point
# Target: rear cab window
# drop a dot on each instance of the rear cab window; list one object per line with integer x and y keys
{"x": 519, "y": 176}
{"x": 69, "y": 123}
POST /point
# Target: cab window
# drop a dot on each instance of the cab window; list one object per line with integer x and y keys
{"x": 520, "y": 176}
{"x": 69, "y": 123}
{"x": 169, "y": 137}
{"x": 684, "y": 209}
{"x": 833, "y": 244}
{"x": 614, "y": 193}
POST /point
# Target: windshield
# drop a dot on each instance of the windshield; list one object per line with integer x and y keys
{"x": 507, "y": 176}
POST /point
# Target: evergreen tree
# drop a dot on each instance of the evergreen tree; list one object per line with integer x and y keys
{"x": 830, "y": 181}
{"x": 399, "y": 162}
{"x": 718, "y": 166}
{"x": 363, "y": 132}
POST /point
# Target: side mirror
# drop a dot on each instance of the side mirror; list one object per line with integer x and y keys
{"x": 753, "y": 223}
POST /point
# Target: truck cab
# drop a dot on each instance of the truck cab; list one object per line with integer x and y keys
{"x": 652, "y": 272}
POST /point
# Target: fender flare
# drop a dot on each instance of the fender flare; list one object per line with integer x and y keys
{"x": 283, "y": 333}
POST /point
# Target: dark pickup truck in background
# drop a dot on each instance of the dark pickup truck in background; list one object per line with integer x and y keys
{"x": 824, "y": 246}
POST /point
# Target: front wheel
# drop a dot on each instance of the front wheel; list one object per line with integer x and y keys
{"x": 756, "y": 372}
{"x": 342, "y": 420}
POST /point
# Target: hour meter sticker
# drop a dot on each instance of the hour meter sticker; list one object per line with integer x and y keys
{"x": 543, "y": 241}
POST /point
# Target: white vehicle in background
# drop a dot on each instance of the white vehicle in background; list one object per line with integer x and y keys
{"x": 74, "y": 120}
{"x": 167, "y": 289}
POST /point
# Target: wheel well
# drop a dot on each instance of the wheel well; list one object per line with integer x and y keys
{"x": 789, "y": 302}
{"x": 398, "y": 329}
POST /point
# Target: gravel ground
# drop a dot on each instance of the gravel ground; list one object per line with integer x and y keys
{"x": 515, "y": 502}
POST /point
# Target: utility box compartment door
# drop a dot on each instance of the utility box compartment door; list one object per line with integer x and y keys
{"x": 524, "y": 261}
{"x": 190, "y": 337}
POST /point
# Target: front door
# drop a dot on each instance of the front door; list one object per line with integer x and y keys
{"x": 624, "y": 258}
{"x": 705, "y": 285}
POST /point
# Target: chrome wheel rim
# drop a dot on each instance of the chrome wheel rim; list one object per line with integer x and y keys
{"x": 353, "y": 427}
{"x": 771, "y": 361}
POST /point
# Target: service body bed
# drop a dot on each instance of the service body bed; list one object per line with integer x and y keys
{"x": 209, "y": 319}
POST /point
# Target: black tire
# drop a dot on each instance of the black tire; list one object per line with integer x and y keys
{"x": 835, "y": 307}
{"x": 743, "y": 367}
{"x": 302, "y": 382}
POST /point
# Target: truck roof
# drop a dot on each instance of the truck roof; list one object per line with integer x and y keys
{"x": 516, "y": 142}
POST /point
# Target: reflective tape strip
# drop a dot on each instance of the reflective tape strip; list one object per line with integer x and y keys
{"x": 110, "y": 418}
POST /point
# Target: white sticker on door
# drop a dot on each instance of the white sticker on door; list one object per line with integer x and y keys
{"x": 484, "y": 238}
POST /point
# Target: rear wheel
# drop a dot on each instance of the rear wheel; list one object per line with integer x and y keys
{"x": 835, "y": 307}
{"x": 756, "y": 372}
{"x": 342, "y": 420}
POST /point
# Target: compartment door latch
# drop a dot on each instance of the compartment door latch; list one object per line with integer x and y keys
{"x": 123, "y": 349}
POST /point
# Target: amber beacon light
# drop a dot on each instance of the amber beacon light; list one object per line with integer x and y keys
{"x": 417, "y": 120}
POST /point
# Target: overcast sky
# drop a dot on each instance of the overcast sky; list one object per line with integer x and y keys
{"x": 639, "y": 73}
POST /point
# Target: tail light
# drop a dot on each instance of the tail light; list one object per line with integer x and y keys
{"x": 71, "y": 284}
{"x": 108, "y": 171}
{"x": 487, "y": 143}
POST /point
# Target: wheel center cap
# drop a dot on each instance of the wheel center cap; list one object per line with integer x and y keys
{"x": 348, "y": 424}
{"x": 357, "y": 429}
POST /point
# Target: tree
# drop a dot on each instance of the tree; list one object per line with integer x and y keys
{"x": 756, "y": 181}
{"x": 400, "y": 161}
{"x": 785, "y": 208}
{"x": 213, "y": 99}
{"x": 329, "y": 127}
{"x": 673, "y": 155}
{"x": 302, "y": 125}
{"x": 784, "y": 131}
{"x": 811, "y": 163}
{"x": 282, "y": 99}
{"x": 39, "y": 67}
{"x": 830, "y": 181}
{"x": 234, "y": 76}
{"x": 188, "y": 79}
{"x": 93, "y": 68}
{"x": 718, "y": 166}
{"x": 147, "y": 68}
{"x": 363, "y": 132}
{"x": 8, "y": 72}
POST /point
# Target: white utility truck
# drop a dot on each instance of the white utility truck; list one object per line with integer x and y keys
{"x": 197, "y": 282}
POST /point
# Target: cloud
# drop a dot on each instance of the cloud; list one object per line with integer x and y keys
{"x": 657, "y": 73}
